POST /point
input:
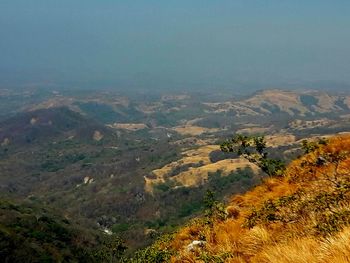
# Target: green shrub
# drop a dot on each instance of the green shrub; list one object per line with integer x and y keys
{"x": 332, "y": 222}
{"x": 151, "y": 255}
{"x": 117, "y": 228}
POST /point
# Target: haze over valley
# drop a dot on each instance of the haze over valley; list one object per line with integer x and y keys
{"x": 174, "y": 131}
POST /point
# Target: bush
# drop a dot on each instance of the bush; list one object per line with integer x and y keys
{"x": 117, "y": 228}
{"x": 157, "y": 253}
{"x": 151, "y": 255}
{"x": 334, "y": 222}
{"x": 253, "y": 148}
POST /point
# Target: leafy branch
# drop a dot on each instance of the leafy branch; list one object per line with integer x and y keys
{"x": 253, "y": 148}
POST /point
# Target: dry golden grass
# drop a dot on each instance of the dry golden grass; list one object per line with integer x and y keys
{"x": 198, "y": 175}
{"x": 128, "y": 126}
{"x": 310, "y": 250}
{"x": 299, "y": 250}
{"x": 336, "y": 249}
{"x": 149, "y": 108}
{"x": 193, "y": 141}
{"x": 253, "y": 130}
{"x": 241, "y": 109}
{"x": 303, "y": 124}
{"x": 293, "y": 241}
{"x": 258, "y": 237}
{"x": 194, "y": 176}
{"x": 326, "y": 103}
{"x": 193, "y": 130}
{"x": 196, "y": 156}
{"x": 287, "y": 101}
{"x": 280, "y": 139}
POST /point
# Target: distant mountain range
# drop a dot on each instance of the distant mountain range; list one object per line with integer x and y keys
{"x": 302, "y": 104}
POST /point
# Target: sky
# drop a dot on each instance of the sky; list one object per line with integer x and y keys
{"x": 186, "y": 44}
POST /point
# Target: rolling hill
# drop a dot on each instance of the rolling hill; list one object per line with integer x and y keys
{"x": 302, "y": 216}
{"x": 140, "y": 166}
{"x": 303, "y": 104}
{"x": 35, "y": 127}
{"x": 31, "y": 232}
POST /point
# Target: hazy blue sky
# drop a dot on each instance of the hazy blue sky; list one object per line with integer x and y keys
{"x": 180, "y": 43}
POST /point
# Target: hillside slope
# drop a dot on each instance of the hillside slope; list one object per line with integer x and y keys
{"x": 48, "y": 124}
{"x": 303, "y": 216}
{"x": 287, "y": 103}
{"x": 31, "y": 232}
{"x": 140, "y": 166}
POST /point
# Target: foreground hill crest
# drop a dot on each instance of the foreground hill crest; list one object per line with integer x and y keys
{"x": 303, "y": 216}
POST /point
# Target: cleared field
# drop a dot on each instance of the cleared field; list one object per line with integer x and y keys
{"x": 193, "y": 130}
{"x": 279, "y": 140}
{"x": 128, "y": 126}
{"x": 198, "y": 175}
{"x": 253, "y": 130}
{"x": 199, "y": 172}
{"x": 200, "y": 155}
{"x": 301, "y": 124}
{"x": 190, "y": 157}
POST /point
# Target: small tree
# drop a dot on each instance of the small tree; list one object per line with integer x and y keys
{"x": 111, "y": 249}
{"x": 209, "y": 199}
{"x": 311, "y": 146}
{"x": 214, "y": 209}
{"x": 253, "y": 148}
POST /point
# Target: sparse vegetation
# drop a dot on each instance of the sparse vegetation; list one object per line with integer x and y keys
{"x": 253, "y": 148}
{"x": 48, "y": 155}
{"x": 32, "y": 233}
{"x": 310, "y": 146}
{"x": 286, "y": 219}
